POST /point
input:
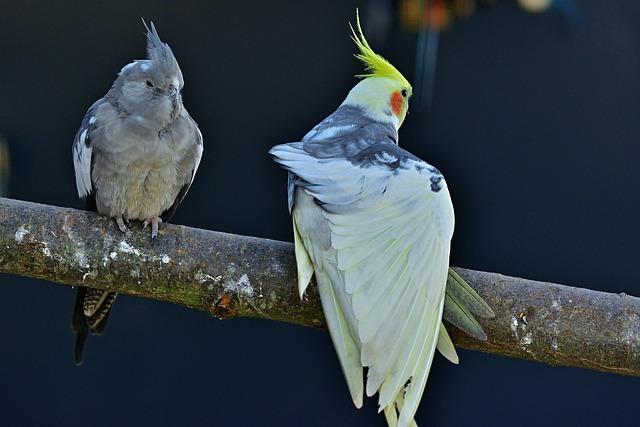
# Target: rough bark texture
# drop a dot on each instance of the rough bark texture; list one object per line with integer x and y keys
{"x": 228, "y": 276}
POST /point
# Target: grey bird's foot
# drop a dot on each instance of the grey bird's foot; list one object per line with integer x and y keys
{"x": 154, "y": 225}
{"x": 121, "y": 224}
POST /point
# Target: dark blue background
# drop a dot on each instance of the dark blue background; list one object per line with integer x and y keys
{"x": 534, "y": 125}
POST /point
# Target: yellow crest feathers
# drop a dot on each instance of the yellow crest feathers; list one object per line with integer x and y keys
{"x": 375, "y": 65}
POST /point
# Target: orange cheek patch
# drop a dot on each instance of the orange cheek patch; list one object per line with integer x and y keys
{"x": 396, "y": 103}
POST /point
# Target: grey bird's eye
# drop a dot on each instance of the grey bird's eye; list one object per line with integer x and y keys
{"x": 149, "y": 84}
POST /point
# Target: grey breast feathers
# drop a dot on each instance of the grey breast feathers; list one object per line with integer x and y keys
{"x": 132, "y": 171}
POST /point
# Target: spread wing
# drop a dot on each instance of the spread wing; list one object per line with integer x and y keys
{"x": 391, "y": 221}
{"x": 191, "y": 165}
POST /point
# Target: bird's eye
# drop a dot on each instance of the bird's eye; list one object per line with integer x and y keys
{"x": 404, "y": 93}
{"x": 149, "y": 84}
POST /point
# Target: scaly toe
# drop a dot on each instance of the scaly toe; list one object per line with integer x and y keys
{"x": 154, "y": 226}
{"x": 121, "y": 225}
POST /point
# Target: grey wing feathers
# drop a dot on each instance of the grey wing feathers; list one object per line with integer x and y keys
{"x": 345, "y": 133}
{"x": 292, "y": 181}
{"x": 198, "y": 148}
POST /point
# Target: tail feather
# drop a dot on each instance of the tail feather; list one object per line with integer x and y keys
{"x": 463, "y": 304}
{"x": 99, "y": 327}
{"x": 81, "y": 339}
{"x": 78, "y": 322}
{"x": 445, "y": 345}
{"x": 90, "y": 313}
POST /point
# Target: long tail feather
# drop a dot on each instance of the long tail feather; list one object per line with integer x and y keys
{"x": 90, "y": 313}
{"x": 81, "y": 339}
{"x": 467, "y": 295}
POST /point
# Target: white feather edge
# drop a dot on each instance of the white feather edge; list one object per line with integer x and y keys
{"x": 345, "y": 345}
{"x": 445, "y": 346}
{"x": 82, "y": 165}
{"x": 303, "y": 262}
{"x": 413, "y": 392}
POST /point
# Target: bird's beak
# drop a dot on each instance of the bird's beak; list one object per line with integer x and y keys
{"x": 176, "y": 100}
{"x": 175, "y": 96}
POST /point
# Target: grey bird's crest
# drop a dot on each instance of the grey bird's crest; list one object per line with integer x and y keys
{"x": 160, "y": 53}
{"x": 150, "y": 89}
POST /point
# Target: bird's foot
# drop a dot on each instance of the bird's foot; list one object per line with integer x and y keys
{"x": 154, "y": 225}
{"x": 121, "y": 224}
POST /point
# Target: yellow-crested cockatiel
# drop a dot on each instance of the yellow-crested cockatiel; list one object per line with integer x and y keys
{"x": 374, "y": 223}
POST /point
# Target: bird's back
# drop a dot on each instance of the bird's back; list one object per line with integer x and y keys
{"x": 376, "y": 223}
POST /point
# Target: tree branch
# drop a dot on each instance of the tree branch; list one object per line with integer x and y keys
{"x": 228, "y": 276}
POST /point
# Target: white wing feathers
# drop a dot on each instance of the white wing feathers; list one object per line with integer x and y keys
{"x": 446, "y": 347}
{"x": 82, "y": 163}
{"x": 384, "y": 271}
{"x": 305, "y": 267}
{"x": 315, "y": 236}
{"x": 82, "y": 151}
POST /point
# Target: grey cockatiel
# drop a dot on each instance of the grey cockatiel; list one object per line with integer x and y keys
{"x": 135, "y": 157}
{"x": 374, "y": 224}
